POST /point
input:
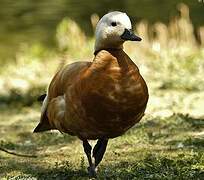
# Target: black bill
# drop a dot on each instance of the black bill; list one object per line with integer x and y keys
{"x": 129, "y": 35}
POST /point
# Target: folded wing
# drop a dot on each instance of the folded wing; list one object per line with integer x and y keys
{"x": 53, "y": 108}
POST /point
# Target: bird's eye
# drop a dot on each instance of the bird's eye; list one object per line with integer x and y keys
{"x": 113, "y": 24}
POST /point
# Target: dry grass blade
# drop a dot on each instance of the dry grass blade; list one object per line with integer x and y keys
{"x": 17, "y": 154}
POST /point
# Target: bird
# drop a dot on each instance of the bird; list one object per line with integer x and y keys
{"x": 99, "y": 99}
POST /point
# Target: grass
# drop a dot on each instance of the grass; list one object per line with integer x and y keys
{"x": 157, "y": 148}
{"x": 168, "y": 142}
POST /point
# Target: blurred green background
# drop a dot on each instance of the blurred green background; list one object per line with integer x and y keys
{"x": 38, "y": 37}
{"x": 35, "y": 21}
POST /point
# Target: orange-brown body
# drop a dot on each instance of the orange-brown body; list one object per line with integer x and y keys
{"x": 99, "y": 99}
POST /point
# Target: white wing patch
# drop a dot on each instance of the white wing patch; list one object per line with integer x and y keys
{"x": 44, "y": 105}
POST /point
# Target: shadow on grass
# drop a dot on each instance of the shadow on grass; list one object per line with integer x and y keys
{"x": 155, "y": 167}
{"x": 174, "y": 132}
{"x": 196, "y": 123}
{"x": 17, "y": 98}
{"x": 29, "y": 169}
{"x": 194, "y": 142}
{"x": 31, "y": 143}
{"x": 150, "y": 167}
{"x": 176, "y": 121}
{"x": 188, "y": 143}
{"x": 48, "y": 138}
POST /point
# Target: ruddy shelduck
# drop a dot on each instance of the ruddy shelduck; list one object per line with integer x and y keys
{"x": 100, "y": 99}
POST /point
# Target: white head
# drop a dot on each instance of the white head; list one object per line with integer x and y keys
{"x": 113, "y": 30}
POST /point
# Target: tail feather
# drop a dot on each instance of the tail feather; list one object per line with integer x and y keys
{"x": 41, "y": 127}
{"x": 44, "y": 125}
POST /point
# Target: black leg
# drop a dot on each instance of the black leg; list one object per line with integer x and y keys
{"x": 97, "y": 146}
{"x": 99, "y": 150}
{"x": 87, "y": 150}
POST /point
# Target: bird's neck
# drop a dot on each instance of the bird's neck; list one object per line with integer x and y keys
{"x": 99, "y": 45}
{"x": 114, "y": 58}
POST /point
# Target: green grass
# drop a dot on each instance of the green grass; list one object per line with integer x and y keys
{"x": 160, "y": 147}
